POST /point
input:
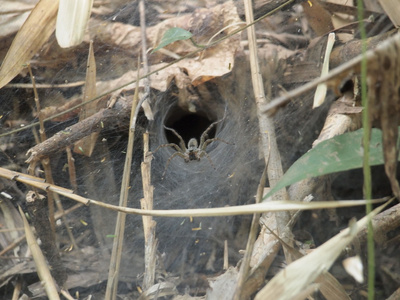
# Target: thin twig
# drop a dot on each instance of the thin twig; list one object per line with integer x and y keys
{"x": 47, "y": 170}
{"x": 104, "y": 118}
{"x": 51, "y": 197}
{"x": 44, "y": 85}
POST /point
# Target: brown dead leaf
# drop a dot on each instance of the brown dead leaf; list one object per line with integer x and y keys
{"x": 203, "y": 23}
{"x": 392, "y": 9}
{"x": 29, "y": 39}
{"x": 86, "y": 145}
{"x": 213, "y": 62}
{"x": 384, "y": 103}
{"x": 318, "y": 17}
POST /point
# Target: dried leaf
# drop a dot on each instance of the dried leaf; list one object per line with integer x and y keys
{"x": 204, "y": 23}
{"x": 384, "y": 102}
{"x": 30, "y": 38}
{"x": 86, "y": 145}
{"x": 392, "y": 9}
{"x": 318, "y": 17}
{"x": 327, "y": 283}
{"x": 302, "y": 273}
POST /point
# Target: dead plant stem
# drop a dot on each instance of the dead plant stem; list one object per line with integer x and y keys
{"x": 267, "y": 131}
{"x": 200, "y": 212}
{"x": 47, "y": 171}
{"x": 245, "y": 266}
{"x": 40, "y": 261}
{"x": 149, "y": 225}
{"x": 51, "y": 197}
{"x": 115, "y": 261}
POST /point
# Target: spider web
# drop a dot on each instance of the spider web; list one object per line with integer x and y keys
{"x": 238, "y": 166}
{"x": 185, "y": 244}
{"x": 197, "y": 184}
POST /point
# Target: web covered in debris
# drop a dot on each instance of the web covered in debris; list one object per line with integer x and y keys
{"x": 183, "y": 98}
{"x": 213, "y": 86}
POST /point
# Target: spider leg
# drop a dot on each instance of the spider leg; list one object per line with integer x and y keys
{"x": 169, "y": 160}
{"x": 168, "y": 145}
{"x": 205, "y": 144}
{"x": 181, "y": 141}
{"x": 204, "y": 153}
{"x": 205, "y": 133}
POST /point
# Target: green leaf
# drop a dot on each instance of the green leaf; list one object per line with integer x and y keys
{"x": 172, "y": 35}
{"x": 341, "y": 153}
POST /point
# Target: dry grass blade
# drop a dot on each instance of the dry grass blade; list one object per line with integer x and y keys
{"x": 112, "y": 282}
{"x": 29, "y": 39}
{"x": 329, "y": 286}
{"x": 202, "y": 212}
{"x": 266, "y": 243}
{"x": 320, "y": 93}
{"x": 301, "y": 273}
{"x": 86, "y": 145}
{"x": 40, "y": 262}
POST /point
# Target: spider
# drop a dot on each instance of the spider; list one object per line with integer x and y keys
{"x": 194, "y": 150}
